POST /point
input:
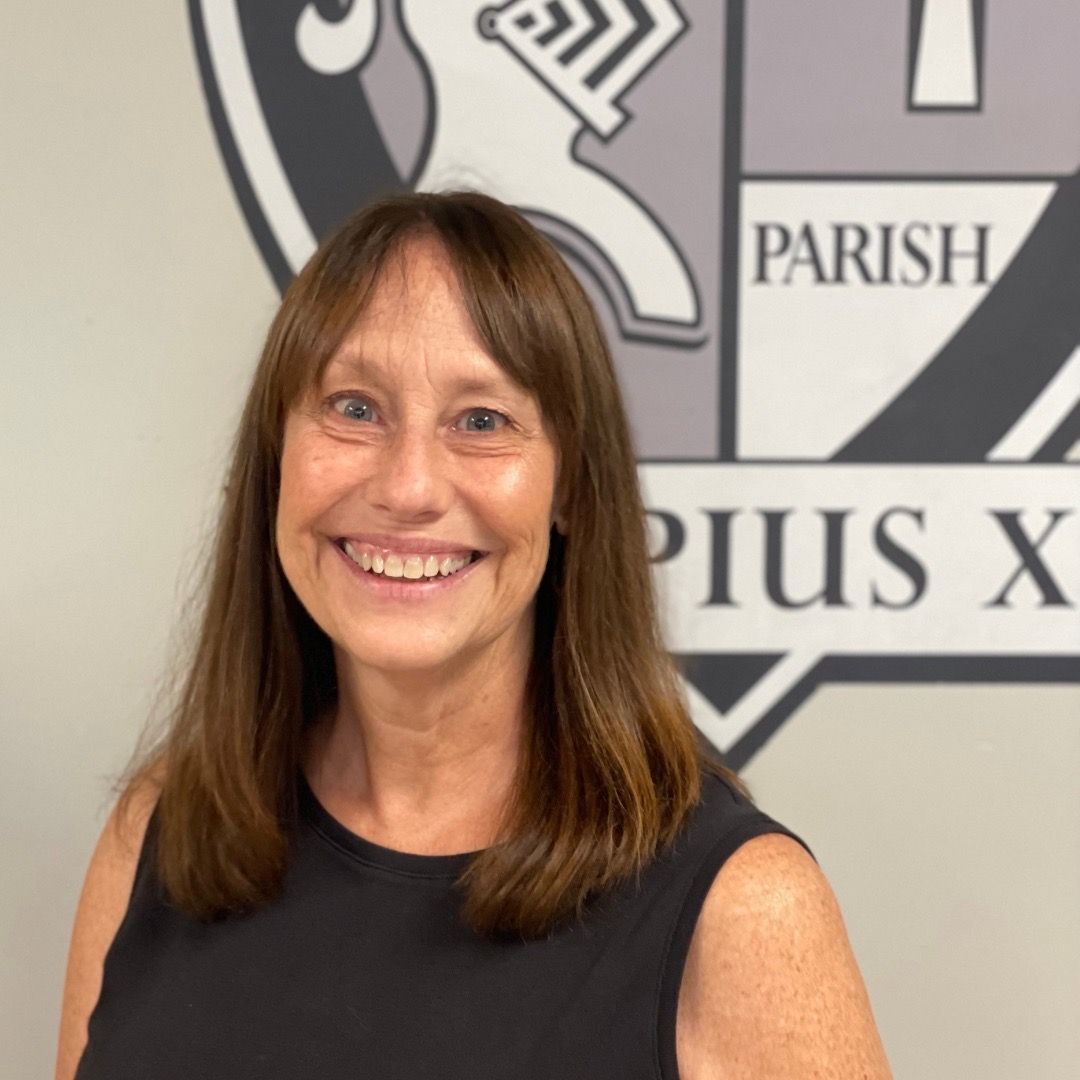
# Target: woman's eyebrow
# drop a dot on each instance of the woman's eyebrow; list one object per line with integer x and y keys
{"x": 362, "y": 368}
{"x": 479, "y": 385}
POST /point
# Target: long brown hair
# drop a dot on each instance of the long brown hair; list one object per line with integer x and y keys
{"x": 611, "y": 762}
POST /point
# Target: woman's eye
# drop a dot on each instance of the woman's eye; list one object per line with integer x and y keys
{"x": 486, "y": 420}
{"x": 352, "y": 407}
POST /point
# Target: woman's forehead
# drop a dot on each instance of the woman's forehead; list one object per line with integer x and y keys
{"x": 414, "y": 322}
{"x": 418, "y": 272}
{"x": 415, "y": 296}
{"x": 411, "y": 321}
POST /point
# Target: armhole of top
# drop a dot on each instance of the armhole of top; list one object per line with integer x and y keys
{"x": 147, "y": 863}
{"x": 145, "y": 875}
{"x": 756, "y": 823}
{"x": 144, "y": 879}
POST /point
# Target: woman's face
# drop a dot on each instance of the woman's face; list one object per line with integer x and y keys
{"x": 417, "y": 449}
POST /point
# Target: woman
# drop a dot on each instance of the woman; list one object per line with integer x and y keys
{"x": 430, "y": 803}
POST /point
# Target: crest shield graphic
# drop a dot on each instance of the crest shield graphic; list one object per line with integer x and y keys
{"x": 837, "y": 258}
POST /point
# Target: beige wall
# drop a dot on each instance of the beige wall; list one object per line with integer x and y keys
{"x": 133, "y": 301}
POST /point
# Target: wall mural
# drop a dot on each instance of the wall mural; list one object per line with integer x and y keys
{"x": 836, "y": 249}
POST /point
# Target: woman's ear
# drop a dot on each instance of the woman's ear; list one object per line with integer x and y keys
{"x": 559, "y": 522}
{"x": 558, "y": 506}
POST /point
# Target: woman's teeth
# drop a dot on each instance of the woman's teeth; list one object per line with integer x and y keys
{"x": 407, "y": 566}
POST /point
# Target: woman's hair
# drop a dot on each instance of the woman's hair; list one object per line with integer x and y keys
{"x": 610, "y": 763}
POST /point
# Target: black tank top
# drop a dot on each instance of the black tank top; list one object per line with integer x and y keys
{"x": 361, "y": 970}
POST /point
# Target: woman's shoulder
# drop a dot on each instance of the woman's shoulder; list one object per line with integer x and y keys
{"x": 103, "y": 901}
{"x": 725, "y": 827}
{"x": 769, "y": 981}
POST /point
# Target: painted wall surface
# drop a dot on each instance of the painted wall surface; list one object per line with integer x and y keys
{"x": 835, "y": 247}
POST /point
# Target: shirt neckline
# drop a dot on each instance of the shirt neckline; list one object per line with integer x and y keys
{"x": 367, "y": 851}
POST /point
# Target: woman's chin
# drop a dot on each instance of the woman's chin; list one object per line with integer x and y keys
{"x": 404, "y": 654}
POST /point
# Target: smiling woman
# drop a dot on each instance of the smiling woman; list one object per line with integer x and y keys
{"x": 430, "y": 802}
{"x": 388, "y": 435}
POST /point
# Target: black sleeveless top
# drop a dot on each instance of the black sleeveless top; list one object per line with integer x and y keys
{"x": 361, "y": 970}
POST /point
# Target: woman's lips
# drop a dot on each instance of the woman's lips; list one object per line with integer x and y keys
{"x": 401, "y": 588}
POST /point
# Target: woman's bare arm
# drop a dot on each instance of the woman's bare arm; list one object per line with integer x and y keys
{"x": 771, "y": 988}
{"x": 102, "y": 903}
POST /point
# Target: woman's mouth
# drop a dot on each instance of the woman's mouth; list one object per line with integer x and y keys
{"x": 407, "y": 566}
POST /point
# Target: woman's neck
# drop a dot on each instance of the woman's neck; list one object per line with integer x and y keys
{"x": 421, "y": 761}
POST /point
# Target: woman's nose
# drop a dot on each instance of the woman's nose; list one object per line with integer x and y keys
{"x": 410, "y": 475}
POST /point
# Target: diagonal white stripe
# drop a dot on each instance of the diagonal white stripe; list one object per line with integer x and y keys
{"x": 253, "y": 140}
{"x": 1042, "y": 416}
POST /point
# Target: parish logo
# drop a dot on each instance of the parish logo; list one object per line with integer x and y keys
{"x": 837, "y": 255}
